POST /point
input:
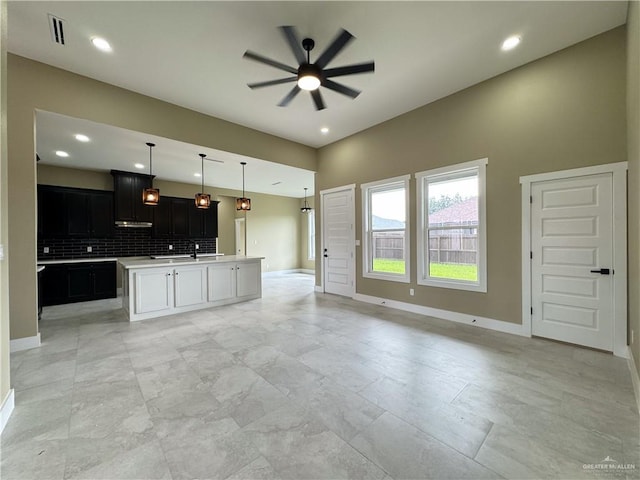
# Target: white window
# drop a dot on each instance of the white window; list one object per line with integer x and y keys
{"x": 452, "y": 247}
{"x": 311, "y": 237}
{"x": 385, "y": 233}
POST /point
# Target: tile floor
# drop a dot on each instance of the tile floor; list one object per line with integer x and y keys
{"x": 305, "y": 385}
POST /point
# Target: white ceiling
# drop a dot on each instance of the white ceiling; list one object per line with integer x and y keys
{"x": 190, "y": 53}
{"x": 120, "y": 149}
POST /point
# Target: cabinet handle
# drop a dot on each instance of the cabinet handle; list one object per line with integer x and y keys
{"x": 176, "y": 273}
{"x": 168, "y": 274}
{"x": 237, "y": 268}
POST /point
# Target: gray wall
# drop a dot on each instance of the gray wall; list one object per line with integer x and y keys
{"x": 564, "y": 111}
{"x": 633, "y": 146}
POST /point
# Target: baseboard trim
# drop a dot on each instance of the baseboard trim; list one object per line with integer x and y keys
{"x": 473, "y": 320}
{"x": 275, "y": 273}
{"x": 25, "y": 343}
{"x": 7, "y": 408}
{"x": 635, "y": 379}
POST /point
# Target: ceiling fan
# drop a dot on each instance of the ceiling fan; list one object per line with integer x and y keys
{"x": 310, "y": 76}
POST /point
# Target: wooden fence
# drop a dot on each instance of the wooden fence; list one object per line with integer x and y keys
{"x": 452, "y": 248}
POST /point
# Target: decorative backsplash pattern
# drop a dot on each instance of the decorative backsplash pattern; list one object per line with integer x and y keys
{"x": 127, "y": 242}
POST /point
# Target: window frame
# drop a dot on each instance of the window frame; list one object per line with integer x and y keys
{"x": 422, "y": 180}
{"x": 380, "y": 186}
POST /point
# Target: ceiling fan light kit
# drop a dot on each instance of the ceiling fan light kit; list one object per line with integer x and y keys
{"x": 150, "y": 196}
{"x": 311, "y": 76}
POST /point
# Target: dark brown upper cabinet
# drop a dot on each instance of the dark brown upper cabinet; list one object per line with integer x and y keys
{"x": 65, "y": 212}
{"x": 128, "y": 188}
{"x": 203, "y": 223}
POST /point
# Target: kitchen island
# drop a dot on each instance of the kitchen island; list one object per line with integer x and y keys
{"x": 165, "y": 286}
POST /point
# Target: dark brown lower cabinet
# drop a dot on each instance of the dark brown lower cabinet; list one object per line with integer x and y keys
{"x": 78, "y": 282}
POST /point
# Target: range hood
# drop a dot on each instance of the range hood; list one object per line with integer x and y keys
{"x": 133, "y": 224}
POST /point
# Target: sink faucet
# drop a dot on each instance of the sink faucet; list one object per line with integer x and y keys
{"x": 195, "y": 249}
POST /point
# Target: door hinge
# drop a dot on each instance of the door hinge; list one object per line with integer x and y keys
{"x": 530, "y": 198}
{"x": 531, "y": 255}
{"x": 531, "y": 310}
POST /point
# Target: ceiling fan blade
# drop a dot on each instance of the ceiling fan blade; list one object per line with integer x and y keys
{"x": 349, "y": 69}
{"x": 268, "y": 83}
{"x": 332, "y": 50}
{"x": 338, "y": 87}
{"x": 259, "y": 58}
{"x": 290, "y": 96}
{"x": 291, "y": 36}
{"x": 317, "y": 99}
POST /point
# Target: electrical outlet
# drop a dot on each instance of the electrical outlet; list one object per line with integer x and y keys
{"x": 45, "y": 250}
{"x": 89, "y": 249}
{"x": 197, "y": 246}
{"x": 170, "y": 247}
{"x": 412, "y": 292}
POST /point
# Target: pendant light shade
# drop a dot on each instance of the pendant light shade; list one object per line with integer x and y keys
{"x": 203, "y": 200}
{"x": 150, "y": 196}
{"x": 243, "y": 203}
{"x": 305, "y": 207}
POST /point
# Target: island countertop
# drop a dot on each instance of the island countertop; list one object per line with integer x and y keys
{"x": 171, "y": 262}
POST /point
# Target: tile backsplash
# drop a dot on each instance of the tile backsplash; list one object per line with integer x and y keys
{"x": 127, "y": 242}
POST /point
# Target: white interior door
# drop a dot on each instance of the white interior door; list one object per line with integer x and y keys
{"x": 338, "y": 242}
{"x": 572, "y": 260}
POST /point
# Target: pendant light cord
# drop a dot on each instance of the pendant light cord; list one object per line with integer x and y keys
{"x": 202, "y": 172}
{"x": 151, "y": 145}
{"x": 243, "y": 164}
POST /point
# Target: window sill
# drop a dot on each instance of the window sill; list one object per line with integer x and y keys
{"x": 471, "y": 287}
{"x": 388, "y": 277}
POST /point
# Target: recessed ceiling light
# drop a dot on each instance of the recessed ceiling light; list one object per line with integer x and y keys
{"x": 139, "y": 166}
{"x": 82, "y": 138}
{"x": 61, "y": 153}
{"x": 196, "y": 174}
{"x": 101, "y": 44}
{"x": 324, "y": 130}
{"x": 511, "y": 42}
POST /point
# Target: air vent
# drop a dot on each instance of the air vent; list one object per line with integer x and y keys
{"x": 57, "y": 29}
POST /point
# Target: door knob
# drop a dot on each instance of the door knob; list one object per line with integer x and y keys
{"x": 602, "y": 271}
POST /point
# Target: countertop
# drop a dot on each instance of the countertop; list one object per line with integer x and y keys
{"x": 76, "y": 260}
{"x": 170, "y": 262}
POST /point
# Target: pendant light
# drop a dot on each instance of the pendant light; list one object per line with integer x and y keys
{"x": 150, "y": 196}
{"x": 203, "y": 200}
{"x": 305, "y": 208}
{"x": 243, "y": 203}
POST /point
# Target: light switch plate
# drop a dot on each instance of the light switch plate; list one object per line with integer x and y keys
{"x": 89, "y": 249}
{"x": 45, "y": 250}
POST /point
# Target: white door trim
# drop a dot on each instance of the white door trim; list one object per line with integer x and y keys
{"x": 619, "y": 172}
{"x": 351, "y": 187}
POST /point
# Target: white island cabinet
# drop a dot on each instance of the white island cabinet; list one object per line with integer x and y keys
{"x": 230, "y": 282}
{"x": 154, "y": 288}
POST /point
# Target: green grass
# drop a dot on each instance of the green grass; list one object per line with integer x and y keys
{"x": 440, "y": 270}
{"x": 386, "y": 265}
{"x": 454, "y": 271}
